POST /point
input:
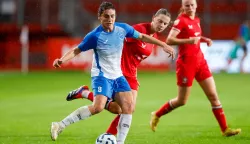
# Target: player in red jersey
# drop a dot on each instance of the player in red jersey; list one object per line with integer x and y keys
{"x": 134, "y": 52}
{"x": 190, "y": 64}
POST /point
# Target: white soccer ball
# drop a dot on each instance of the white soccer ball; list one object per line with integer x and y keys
{"x": 106, "y": 138}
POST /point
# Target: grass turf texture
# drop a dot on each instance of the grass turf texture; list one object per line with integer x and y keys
{"x": 29, "y": 103}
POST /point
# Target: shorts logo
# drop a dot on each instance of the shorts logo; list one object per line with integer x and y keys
{"x": 125, "y": 125}
{"x": 184, "y": 80}
{"x": 99, "y": 89}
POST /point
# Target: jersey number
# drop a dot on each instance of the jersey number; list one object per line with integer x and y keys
{"x": 99, "y": 89}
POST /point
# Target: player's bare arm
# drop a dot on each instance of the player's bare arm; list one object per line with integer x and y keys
{"x": 149, "y": 39}
{"x": 173, "y": 40}
{"x": 207, "y": 40}
{"x": 68, "y": 56}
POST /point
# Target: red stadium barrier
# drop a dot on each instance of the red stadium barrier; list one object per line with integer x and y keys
{"x": 56, "y": 47}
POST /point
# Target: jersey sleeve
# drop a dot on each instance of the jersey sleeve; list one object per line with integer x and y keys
{"x": 89, "y": 42}
{"x": 178, "y": 24}
{"x": 138, "y": 28}
{"x": 131, "y": 32}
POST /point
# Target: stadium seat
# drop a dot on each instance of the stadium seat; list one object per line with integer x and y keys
{"x": 224, "y": 31}
{"x": 228, "y": 7}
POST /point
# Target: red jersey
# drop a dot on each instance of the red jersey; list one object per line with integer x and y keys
{"x": 190, "y": 63}
{"x": 134, "y": 51}
{"x": 188, "y": 28}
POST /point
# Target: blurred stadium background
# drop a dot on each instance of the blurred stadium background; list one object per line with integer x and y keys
{"x": 35, "y": 32}
{"x": 56, "y": 25}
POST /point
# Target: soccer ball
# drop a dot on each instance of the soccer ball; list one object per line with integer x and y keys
{"x": 106, "y": 138}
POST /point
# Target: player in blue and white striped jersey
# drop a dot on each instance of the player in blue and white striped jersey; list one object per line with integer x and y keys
{"x": 107, "y": 43}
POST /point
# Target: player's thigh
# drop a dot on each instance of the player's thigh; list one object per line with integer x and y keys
{"x": 102, "y": 86}
{"x": 133, "y": 82}
{"x": 99, "y": 102}
{"x": 134, "y": 94}
{"x": 209, "y": 88}
{"x": 125, "y": 101}
{"x": 185, "y": 73}
{"x": 134, "y": 85}
{"x": 203, "y": 72}
{"x": 123, "y": 94}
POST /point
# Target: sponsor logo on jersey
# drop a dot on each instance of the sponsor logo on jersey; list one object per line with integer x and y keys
{"x": 190, "y": 26}
{"x": 143, "y": 45}
{"x": 105, "y": 41}
{"x": 197, "y": 33}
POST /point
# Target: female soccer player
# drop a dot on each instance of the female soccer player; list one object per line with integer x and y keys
{"x": 134, "y": 52}
{"x": 186, "y": 32}
{"x": 107, "y": 43}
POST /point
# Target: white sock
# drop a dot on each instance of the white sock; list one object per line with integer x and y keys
{"x": 79, "y": 114}
{"x": 85, "y": 93}
{"x": 123, "y": 127}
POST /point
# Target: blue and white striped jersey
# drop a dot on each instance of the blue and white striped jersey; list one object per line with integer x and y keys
{"x": 107, "y": 47}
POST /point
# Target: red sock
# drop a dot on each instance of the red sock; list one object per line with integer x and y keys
{"x": 166, "y": 108}
{"x": 221, "y": 118}
{"x": 113, "y": 126}
{"x": 91, "y": 96}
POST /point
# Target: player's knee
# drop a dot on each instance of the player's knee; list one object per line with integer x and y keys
{"x": 114, "y": 109}
{"x": 133, "y": 110}
{"x": 128, "y": 108}
{"x": 214, "y": 100}
{"x": 98, "y": 108}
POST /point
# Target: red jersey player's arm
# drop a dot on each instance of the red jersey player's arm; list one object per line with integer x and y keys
{"x": 173, "y": 40}
{"x": 206, "y": 40}
{"x": 152, "y": 40}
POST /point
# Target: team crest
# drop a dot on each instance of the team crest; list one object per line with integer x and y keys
{"x": 184, "y": 80}
{"x": 176, "y": 22}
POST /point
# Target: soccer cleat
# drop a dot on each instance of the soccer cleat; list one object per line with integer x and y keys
{"x": 231, "y": 132}
{"x": 55, "y": 130}
{"x": 77, "y": 93}
{"x": 154, "y": 121}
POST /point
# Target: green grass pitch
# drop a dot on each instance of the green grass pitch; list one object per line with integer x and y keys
{"x": 29, "y": 103}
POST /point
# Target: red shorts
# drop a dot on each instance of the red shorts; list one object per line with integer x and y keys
{"x": 133, "y": 82}
{"x": 189, "y": 68}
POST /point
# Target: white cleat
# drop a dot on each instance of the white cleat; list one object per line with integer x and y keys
{"x": 55, "y": 130}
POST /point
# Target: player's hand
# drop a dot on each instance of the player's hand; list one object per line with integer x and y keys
{"x": 57, "y": 63}
{"x": 168, "y": 49}
{"x": 209, "y": 42}
{"x": 194, "y": 40}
